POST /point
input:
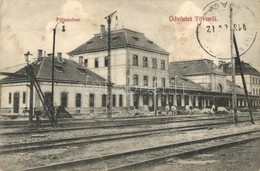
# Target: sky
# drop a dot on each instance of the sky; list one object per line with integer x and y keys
{"x": 27, "y": 25}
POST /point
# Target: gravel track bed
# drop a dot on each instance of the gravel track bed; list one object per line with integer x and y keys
{"x": 15, "y": 139}
{"x": 45, "y": 157}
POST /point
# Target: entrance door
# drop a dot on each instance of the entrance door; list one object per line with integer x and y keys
{"x": 16, "y": 102}
{"x": 136, "y": 101}
{"x": 48, "y": 98}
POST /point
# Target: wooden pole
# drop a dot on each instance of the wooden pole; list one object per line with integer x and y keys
{"x": 109, "y": 86}
{"x": 244, "y": 82}
{"x": 31, "y": 103}
{"x": 234, "y": 97}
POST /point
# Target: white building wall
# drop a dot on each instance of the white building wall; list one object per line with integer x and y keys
{"x": 71, "y": 89}
{"x": 14, "y": 88}
{"x": 252, "y": 83}
{"x": 203, "y": 80}
{"x": 148, "y": 71}
{"x": 118, "y": 64}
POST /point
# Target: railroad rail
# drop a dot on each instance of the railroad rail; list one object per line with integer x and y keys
{"x": 50, "y": 144}
{"x": 162, "y": 119}
{"x": 131, "y": 160}
{"x": 114, "y": 125}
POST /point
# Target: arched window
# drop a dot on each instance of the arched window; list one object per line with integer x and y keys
{"x": 78, "y": 100}
{"x": 120, "y": 100}
{"x": 64, "y": 99}
{"x": 135, "y": 80}
{"x": 114, "y": 100}
{"x": 104, "y": 100}
{"x": 91, "y": 100}
{"x": 135, "y": 60}
{"x": 219, "y": 88}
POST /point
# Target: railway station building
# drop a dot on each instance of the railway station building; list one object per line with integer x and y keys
{"x": 137, "y": 63}
{"x": 76, "y": 88}
{"x": 142, "y": 77}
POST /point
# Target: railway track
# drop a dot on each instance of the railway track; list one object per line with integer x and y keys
{"x": 51, "y": 144}
{"x": 146, "y": 120}
{"x": 115, "y": 125}
{"x": 134, "y": 159}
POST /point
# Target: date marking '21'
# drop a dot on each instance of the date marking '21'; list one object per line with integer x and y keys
{"x": 214, "y": 28}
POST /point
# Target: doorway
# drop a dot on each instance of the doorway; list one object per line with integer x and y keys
{"x": 16, "y": 102}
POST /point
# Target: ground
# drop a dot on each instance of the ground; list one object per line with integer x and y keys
{"x": 243, "y": 157}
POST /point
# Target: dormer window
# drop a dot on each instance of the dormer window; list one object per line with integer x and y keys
{"x": 135, "y": 38}
{"x": 82, "y": 71}
{"x": 114, "y": 39}
{"x": 185, "y": 67}
{"x": 58, "y": 68}
{"x": 89, "y": 43}
{"x": 149, "y": 41}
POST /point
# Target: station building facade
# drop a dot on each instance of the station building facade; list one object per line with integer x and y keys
{"x": 76, "y": 88}
{"x": 252, "y": 79}
{"x": 141, "y": 73}
{"x": 137, "y": 63}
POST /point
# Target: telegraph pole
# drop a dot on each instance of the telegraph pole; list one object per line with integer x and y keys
{"x": 233, "y": 63}
{"x": 31, "y": 89}
{"x": 244, "y": 82}
{"x": 109, "y": 86}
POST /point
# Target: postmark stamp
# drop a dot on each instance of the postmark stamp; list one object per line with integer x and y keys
{"x": 213, "y": 35}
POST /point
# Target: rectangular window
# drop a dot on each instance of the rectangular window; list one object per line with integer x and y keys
{"x": 91, "y": 100}
{"x": 86, "y": 62}
{"x": 78, "y": 100}
{"x": 135, "y": 60}
{"x": 145, "y": 81}
{"x": 24, "y": 97}
{"x": 135, "y": 80}
{"x": 145, "y": 62}
{"x": 96, "y": 62}
{"x": 106, "y": 61}
{"x": 154, "y": 63}
{"x": 64, "y": 99}
{"x": 10, "y": 98}
{"x": 104, "y": 100}
{"x": 162, "y": 65}
{"x": 154, "y": 81}
{"x": 81, "y": 60}
{"x": 163, "y": 82}
{"x": 120, "y": 100}
{"x": 114, "y": 100}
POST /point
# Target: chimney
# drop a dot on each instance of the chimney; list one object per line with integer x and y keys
{"x": 102, "y": 30}
{"x": 40, "y": 53}
{"x": 59, "y": 56}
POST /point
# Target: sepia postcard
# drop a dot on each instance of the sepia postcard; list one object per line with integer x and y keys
{"x": 130, "y": 85}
